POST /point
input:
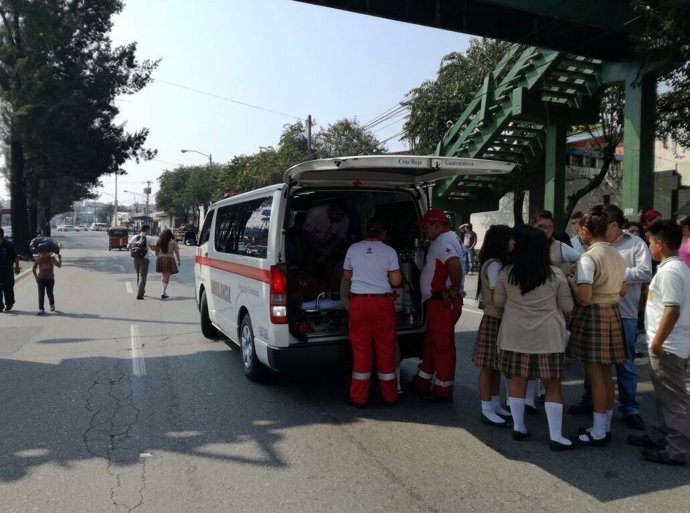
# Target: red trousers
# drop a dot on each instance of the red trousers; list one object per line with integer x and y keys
{"x": 438, "y": 349}
{"x": 372, "y": 327}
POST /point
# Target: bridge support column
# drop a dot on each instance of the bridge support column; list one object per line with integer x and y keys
{"x": 554, "y": 173}
{"x": 638, "y": 143}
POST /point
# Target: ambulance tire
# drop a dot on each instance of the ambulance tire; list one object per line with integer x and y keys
{"x": 253, "y": 368}
{"x": 208, "y": 330}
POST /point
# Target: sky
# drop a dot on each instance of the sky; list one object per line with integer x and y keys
{"x": 286, "y": 58}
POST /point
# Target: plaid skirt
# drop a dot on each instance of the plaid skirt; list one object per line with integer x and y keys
{"x": 166, "y": 264}
{"x": 596, "y": 335}
{"x": 485, "y": 353}
{"x": 531, "y": 366}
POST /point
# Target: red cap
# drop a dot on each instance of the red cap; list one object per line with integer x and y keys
{"x": 651, "y": 215}
{"x": 433, "y": 215}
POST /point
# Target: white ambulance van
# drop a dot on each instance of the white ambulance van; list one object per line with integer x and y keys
{"x": 264, "y": 282}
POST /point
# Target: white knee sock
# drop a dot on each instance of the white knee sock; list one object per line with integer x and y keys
{"x": 496, "y": 401}
{"x": 531, "y": 393}
{"x": 554, "y": 416}
{"x": 517, "y": 410}
{"x": 164, "y": 287}
{"x": 489, "y": 413}
{"x": 598, "y": 430}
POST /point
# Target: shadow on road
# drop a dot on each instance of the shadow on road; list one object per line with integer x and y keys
{"x": 83, "y": 408}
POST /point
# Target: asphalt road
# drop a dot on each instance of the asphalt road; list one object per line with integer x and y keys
{"x": 114, "y": 405}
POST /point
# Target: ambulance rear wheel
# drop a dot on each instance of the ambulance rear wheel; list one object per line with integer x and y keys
{"x": 253, "y": 368}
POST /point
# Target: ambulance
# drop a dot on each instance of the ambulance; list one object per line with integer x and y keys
{"x": 262, "y": 282}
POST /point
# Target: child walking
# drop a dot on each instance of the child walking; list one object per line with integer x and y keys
{"x": 43, "y": 270}
{"x": 667, "y": 319}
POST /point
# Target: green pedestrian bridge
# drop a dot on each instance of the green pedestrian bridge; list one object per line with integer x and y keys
{"x": 564, "y": 55}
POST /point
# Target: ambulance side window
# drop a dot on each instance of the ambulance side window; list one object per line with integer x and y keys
{"x": 206, "y": 228}
{"x": 242, "y": 228}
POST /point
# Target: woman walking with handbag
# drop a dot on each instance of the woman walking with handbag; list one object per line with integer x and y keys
{"x": 168, "y": 259}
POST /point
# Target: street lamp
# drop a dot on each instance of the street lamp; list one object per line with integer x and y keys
{"x": 210, "y": 158}
{"x": 146, "y": 210}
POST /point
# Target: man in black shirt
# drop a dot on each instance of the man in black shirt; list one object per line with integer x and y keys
{"x": 8, "y": 260}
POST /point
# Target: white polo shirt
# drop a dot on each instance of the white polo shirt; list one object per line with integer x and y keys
{"x": 370, "y": 262}
{"x": 670, "y": 287}
{"x": 435, "y": 274}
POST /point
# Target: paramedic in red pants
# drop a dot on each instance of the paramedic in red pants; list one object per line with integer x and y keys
{"x": 442, "y": 292}
{"x": 370, "y": 271}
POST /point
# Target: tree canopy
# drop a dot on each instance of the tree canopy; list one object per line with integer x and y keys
{"x": 59, "y": 78}
{"x": 459, "y": 77}
{"x": 183, "y": 189}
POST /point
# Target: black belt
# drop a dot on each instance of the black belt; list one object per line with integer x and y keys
{"x": 371, "y": 295}
{"x": 437, "y": 295}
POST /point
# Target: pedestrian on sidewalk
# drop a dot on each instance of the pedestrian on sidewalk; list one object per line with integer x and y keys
{"x": 44, "y": 272}
{"x": 168, "y": 259}
{"x": 9, "y": 266}
{"x": 667, "y": 320}
{"x": 141, "y": 247}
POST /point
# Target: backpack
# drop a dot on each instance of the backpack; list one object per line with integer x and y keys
{"x": 139, "y": 246}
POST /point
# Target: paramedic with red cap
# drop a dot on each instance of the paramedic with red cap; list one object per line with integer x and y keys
{"x": 370, "y": 271}
{"x": 442, "y": 291}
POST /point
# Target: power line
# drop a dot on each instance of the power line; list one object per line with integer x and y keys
{"x": 213, "y": 95}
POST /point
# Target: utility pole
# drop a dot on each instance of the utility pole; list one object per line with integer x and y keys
{"x": 309, "y": 136}
{"x": 113, "y": 221}
{"x": 147, "y": 191}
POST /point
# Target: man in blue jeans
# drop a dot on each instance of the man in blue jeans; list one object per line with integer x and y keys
{"x": 469, "y": 241}
{"x": 638, "y": 271}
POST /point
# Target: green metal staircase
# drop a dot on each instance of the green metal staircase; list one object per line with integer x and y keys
{"x": 530, "y": 90}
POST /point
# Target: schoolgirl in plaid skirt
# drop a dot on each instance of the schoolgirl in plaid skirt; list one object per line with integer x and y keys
{"x": 497, "y": 245}
{"x": 531, "y": 339}
{"x": 596, "y": 331}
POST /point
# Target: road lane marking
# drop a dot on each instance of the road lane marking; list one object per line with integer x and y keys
{"x": 128, "y": 286}
{"x": 138, "y": 364}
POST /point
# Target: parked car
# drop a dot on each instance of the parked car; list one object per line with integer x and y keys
{"x": 186, "y": 235}
{"x": 66, "y": 228}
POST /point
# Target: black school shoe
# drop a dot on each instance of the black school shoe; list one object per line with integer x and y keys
{"x": 643, "y": 441}
{"x": 660, "y": 456}
{"x": 558, "y": 446}
{"x": 507, "y": 423}
{"x": 634, "y": 421}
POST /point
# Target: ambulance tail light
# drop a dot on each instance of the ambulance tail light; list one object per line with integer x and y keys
{"x": 278, "y": 301}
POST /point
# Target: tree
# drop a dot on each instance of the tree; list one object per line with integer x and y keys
{"x": 605, "y": 137}
{"x": 346, "y": 137}
{"x": 171, "y": 196}
{"x": 105, "y": 214}
{"x": 434, "y": 102}
{"x": 59, "y": 77}
{"x": 665, "y": 37}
